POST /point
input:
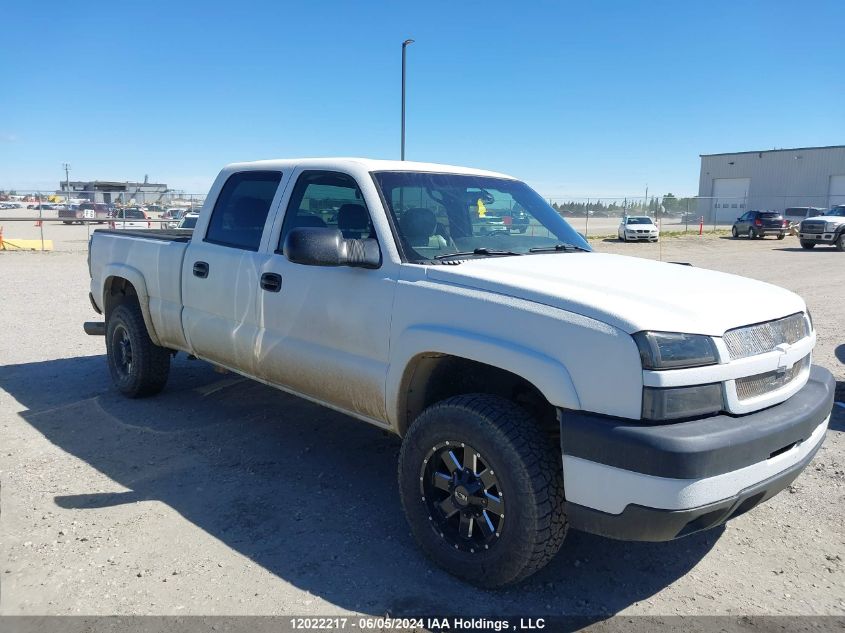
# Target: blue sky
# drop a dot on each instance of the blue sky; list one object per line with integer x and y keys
{"x": 587, "y": 98}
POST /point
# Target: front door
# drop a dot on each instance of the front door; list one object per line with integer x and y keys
{"x": 324, "y": 332}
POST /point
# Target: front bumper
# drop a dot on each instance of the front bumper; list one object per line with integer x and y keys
{"x": 632, "y": 481}
{"x": 818, "y": 238}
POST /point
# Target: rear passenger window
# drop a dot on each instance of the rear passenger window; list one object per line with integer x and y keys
{"x": 327, "y": 199}
{"x": 240, "y": 212}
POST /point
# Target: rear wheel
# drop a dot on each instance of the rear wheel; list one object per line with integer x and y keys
{"x": 781, "y": 236}
{"x": 807, "y": 245}
{"x": 138, "y": 366}
{"x": 482, "y": 489}
{"x": 752, "y": 234}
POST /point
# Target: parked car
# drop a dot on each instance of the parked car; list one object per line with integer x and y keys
{"x": 828, "y": 228}
{"x": 796, "y": 214}
{"x": 172, "y": 216}
{"x": 188, "y": 221}
{"x": 759, "y": 224}
{"x": 91, "y": 211}
{"x": 537, "y": 385}
{"x": 129, "y": 218}
{"x": 635, "y": 228}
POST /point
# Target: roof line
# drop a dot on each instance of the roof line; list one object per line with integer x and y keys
{"x": 767, "y": 151}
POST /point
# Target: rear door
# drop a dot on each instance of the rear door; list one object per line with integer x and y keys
{"x": 221, "y": 270}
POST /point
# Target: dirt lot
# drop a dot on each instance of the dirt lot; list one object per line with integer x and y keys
{"x": 222, "y": 496}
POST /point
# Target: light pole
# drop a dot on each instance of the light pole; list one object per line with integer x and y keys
{"x": 404, "y": 46}
{"x": 66, "y": 167}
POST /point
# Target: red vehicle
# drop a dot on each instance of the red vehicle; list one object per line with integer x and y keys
{"x": 85, "y": 211}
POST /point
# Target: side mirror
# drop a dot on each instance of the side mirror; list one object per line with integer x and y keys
{"x": 327, "y": 247}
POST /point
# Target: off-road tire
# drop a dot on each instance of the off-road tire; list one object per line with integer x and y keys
{"x": 807, "y": 245}
{"x": 528, "y": 466}
{"x": 149, "y": 368}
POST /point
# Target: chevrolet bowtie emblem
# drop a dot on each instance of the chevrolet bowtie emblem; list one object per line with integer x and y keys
{"x": 783, "y": 348}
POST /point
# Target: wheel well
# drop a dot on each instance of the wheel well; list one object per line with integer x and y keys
{"x": 431, "y": 378}
{"x": 117, "y": 291}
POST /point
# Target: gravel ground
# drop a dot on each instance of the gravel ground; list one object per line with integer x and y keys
{"x": 222, "y": 496}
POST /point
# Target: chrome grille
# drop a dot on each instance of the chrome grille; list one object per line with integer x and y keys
{"x": 812, "y": 227}
{"x": 765, "y": 337}
{"x": 761, "y": 384}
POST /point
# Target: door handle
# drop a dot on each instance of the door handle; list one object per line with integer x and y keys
{"x": 201, "y": 269}
{"x": 271, "y": 282}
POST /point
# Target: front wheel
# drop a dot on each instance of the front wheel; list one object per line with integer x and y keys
{"x": 781, "y": 236}
{"x": 840, "y": 242}
{"x": 138, "y": 366}
{"x": 482, "y": 489}
{"x": 807, "y": 245}
{"x": 734, "y": 232}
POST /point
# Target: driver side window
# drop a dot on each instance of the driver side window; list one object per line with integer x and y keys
{"x": 327, "y": 199}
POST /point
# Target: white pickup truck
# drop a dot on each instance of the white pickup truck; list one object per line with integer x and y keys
{"x": 537, "y": 385}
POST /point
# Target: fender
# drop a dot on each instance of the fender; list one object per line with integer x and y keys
{"x": 136, "y": 278}
{"x": 547, "y": 374}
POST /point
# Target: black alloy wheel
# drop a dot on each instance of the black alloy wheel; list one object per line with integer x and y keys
{"x": 465, "y": 502}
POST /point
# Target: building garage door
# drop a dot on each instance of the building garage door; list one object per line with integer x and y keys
{"x": 836, "y": 193}
{"x": 729, "y": 198}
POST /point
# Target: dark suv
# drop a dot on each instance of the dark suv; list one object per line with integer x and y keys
{"x": 756, "y": 224}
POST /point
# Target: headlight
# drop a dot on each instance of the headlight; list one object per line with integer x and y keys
{"x": 672, "y": 350}
{"x": 830, "y": 227}
{"x": 681, "y": 402}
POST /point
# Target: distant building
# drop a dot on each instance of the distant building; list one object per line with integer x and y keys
{"x": 111, "y": 192}
{"x": 775, "y": 179}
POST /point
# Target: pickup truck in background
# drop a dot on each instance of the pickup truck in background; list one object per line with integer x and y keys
{"x": 84, "y": 211}
{"x": 827, "y": 228}
{"x": 537, "y": 385}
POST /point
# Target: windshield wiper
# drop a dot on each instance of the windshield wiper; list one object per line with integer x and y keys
{"x": 557, "y": 248}
{"x": 477, "y": 251}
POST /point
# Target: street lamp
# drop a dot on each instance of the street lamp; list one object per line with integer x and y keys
{"x": 404, "y": 46}
{"x": 66, "y": 167}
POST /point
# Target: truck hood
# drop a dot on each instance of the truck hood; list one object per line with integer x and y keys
{"x": 827, "y": 218}
{"x": 630, "y": 293}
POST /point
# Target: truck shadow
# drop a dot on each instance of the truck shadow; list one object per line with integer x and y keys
{"x": 306, "y": 493}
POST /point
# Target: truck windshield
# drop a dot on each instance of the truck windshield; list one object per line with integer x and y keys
{"x": 438, "y": 214}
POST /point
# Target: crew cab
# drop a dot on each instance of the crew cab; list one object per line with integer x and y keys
{"x": 828, "y": 228}
{"x": 537, "y": 385}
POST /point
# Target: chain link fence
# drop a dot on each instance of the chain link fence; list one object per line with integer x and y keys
{"x": 39, "y": 220}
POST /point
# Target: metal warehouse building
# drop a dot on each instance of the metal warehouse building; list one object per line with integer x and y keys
{"x": 111, "y": 192}
{"x": 774, "y": 179}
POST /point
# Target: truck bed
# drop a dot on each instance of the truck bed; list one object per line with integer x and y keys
{"x": 166, "y": 235}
